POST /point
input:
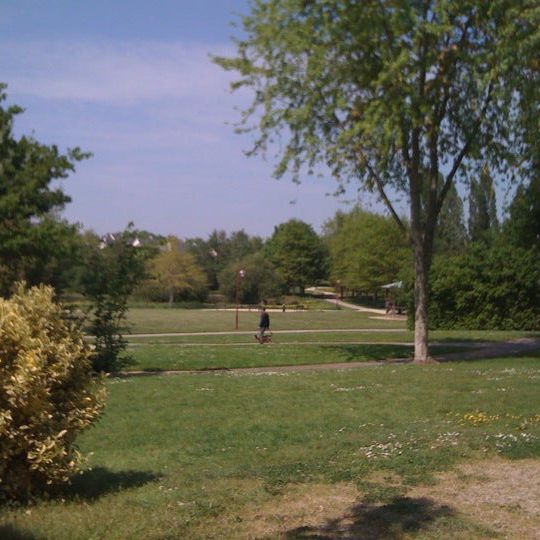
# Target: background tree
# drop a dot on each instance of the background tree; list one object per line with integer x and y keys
{"x": 33, "y": 242}
{"x": 114, "y": 266}
{"x": 451, "y": 235}
{"x": 261, "y": 281}
{"x": 522, "y": 228}
{"x": 298, "y": 253}
{"x": 483, "y": 219}
{"x": 175, "y": 272}
{"x": 393, "y": 93}
{"x": 220, "y": 250}
{"x": 366, "y": 251}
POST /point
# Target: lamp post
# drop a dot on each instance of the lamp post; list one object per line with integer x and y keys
{"x": 338, "y": 285}
{"x": 239, "y": 276}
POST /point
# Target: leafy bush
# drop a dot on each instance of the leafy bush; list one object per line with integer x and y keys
{"x": 488, "y": 288}
{"x": 47, "y": 393}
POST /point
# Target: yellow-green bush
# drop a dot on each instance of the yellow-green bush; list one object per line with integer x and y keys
{"x": 48, "y": 393}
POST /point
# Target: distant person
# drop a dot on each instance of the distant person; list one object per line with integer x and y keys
{"x": 264, "y": 323}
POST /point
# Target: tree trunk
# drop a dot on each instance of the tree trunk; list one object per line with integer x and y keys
{"x": 171, "y": 297}
{"x": 421, "y": 344}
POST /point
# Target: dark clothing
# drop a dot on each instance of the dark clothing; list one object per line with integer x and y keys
{"x": 265, "y": 321}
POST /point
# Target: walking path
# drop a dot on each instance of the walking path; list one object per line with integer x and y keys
{"x": 250, "y": 332}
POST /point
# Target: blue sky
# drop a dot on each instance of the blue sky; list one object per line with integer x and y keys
{"x": 132, "y": 82}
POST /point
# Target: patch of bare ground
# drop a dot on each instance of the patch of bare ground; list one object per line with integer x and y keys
{"x": 502, "y": 495}
{"x": 479, "y": 500}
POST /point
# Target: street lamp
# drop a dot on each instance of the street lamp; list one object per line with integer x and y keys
{"x": 240, "y": 275}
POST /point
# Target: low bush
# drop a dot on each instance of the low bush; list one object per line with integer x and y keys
{"x": 48, "y": 394}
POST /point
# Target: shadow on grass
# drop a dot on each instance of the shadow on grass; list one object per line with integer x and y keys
{"x": 360, "y": 352}
{"x": 100, "y": 481}
{"x": 401, "y": 516}
{"x": 10, "y": 532}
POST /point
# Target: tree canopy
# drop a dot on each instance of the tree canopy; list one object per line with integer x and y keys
{"x": 29, "y": 198}
{"x": 175, "y": 271}
{"x": 366, "y": 251}
{"x": 298, "y": 253}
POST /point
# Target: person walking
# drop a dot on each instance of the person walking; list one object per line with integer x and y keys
{"x": 264, "y": 324}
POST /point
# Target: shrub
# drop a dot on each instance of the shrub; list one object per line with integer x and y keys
{"x": 488, "y": 288}
{"x": 47, "y": 394}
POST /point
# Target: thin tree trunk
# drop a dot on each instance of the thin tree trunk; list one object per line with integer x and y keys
{"x": 171, "y": 297}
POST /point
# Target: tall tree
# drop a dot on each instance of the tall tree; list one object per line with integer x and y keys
{"x": 482, "y": 207}
{"x": 298, "y": 253}
{"x": 523, "y": 224}
{"x": 220, "y": 250}
{"x": 176, "y": 271}
{"x": 392, "y": 93}
{"x": 28, "y": 201}
{"x": 368, "y": 250}
{"x": 451, "y": 234}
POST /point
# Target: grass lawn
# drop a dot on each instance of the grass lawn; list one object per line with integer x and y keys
{"x": 297, "y": 455}
{"x": 150, "y": 320}
{"x": 196, "y": 356}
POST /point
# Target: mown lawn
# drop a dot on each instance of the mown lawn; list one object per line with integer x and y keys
{"x": 216, "y": 455}
{"x": 197, "y": 356}
{"x": 148, "y": 320}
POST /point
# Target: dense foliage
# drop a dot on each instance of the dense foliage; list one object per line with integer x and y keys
{"x": 490, "y": 287}
{"x": 220, "y": 250}
{"x": 260, "y": 280}
{"x": 34, "y": 244}
{"x": 47, "y": 394}
{"x": 298, "y": 253}
{"x": 174, "y": 273}
{"x": 366, "y": 251}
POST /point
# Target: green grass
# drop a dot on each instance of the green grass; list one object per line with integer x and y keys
{"x": 186, "y": 456}
{"x": 177, "y": 356}
{"x": 143, "y": 320}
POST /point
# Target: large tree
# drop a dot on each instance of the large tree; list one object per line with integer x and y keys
{"x": 175, "y": 271}
{"x": 32, "y": 239}
{"x": 367, "y": 250}
{"x": 298, "y": 253}
{"x": 392, "y": 93}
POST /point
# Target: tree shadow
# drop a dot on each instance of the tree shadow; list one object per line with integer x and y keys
{"x": 367, "y": 352}
{"x": 99, "y": 481}
{"x": 401, "y": 516}
{"x": 10, "y": 532}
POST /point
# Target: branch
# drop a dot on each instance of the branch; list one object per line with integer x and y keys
{"x": 380, "y": 187}
{"x": 465, "y": 149}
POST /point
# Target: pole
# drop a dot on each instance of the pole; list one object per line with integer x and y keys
{"x": 239, "y": 276}
{"x": 237, "y": 287}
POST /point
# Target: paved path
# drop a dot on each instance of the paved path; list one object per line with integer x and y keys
{"x": 275, "y": 332}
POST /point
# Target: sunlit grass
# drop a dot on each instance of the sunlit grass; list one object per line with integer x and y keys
{"x": 177, "y": 356}
{"x": 191, "y": 320}
{"x": 184, "y": 456}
